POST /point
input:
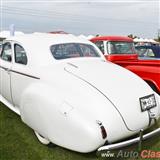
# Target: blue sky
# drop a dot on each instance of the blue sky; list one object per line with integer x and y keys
{"x": 116, "y": 17}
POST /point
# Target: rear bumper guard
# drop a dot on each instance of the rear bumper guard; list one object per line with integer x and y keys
{"x": 129, "y": 142}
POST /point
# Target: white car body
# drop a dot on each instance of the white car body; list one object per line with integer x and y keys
{"x": 70, "y": 102}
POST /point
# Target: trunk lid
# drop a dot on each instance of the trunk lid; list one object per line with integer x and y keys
{"x": 119, "y": 85}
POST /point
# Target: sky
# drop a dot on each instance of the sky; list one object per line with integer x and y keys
{"x": 110, "y": 17}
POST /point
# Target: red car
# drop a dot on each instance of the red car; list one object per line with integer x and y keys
{"x": 121, "y": 50}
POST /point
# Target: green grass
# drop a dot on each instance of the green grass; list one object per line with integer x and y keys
{"x": 18, "y": 142}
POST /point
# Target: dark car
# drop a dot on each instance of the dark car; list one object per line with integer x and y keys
{"x": 148, "y": 52}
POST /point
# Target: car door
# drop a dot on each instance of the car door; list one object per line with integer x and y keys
{"x": 19, "y": 75}
{"x": 5, "y": 74}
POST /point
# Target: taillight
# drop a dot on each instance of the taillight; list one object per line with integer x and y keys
{"x": 103, "y": 130}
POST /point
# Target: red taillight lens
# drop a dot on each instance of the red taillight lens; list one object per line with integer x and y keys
{"x": 103, "y": 132}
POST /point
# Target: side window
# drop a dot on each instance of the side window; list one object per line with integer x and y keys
{"x": 150, "y": 53}
{"x": 100, "y": 45}
{"x": 20, "y": 54}
{"x": 145, "y": 52}
{"x": 6, "y": 53}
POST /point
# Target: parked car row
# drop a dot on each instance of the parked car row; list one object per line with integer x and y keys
{"x": 70, "y": 95}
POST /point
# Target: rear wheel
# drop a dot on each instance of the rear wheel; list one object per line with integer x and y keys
{"x": 42, "y": 139}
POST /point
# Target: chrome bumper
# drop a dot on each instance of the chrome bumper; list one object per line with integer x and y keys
{"x": 129, "y": 142}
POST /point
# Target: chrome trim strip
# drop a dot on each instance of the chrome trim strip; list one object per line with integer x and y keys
{"x": 4, "y": 68}
{"x": 24, "y": 74}
{"x": 72, "y": 65}
{"x": 129, "y": 142}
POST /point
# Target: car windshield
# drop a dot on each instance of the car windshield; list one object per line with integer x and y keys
{"x": 73, "y": 50}
{"x": 120, "y": 48}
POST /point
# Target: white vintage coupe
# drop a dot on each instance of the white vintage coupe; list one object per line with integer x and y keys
{"x": 65, "y": 90}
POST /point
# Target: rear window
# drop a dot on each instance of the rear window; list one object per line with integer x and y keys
{"x": 73, "y": 50}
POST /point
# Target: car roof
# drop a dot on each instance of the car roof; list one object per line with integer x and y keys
{"x": 47, "y": 38}
{"x": 112, "y": 38}
{"x": 37, "y": 46}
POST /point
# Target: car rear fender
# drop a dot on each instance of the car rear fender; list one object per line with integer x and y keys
{"x": 33, "y": 103}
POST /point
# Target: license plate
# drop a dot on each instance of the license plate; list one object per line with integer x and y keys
{"x": 147, "y": 102}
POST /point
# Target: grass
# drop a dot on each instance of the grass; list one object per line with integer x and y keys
{"x": 18, "y": 142}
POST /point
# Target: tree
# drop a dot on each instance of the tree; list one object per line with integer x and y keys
{"x": 132, "y": 36}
